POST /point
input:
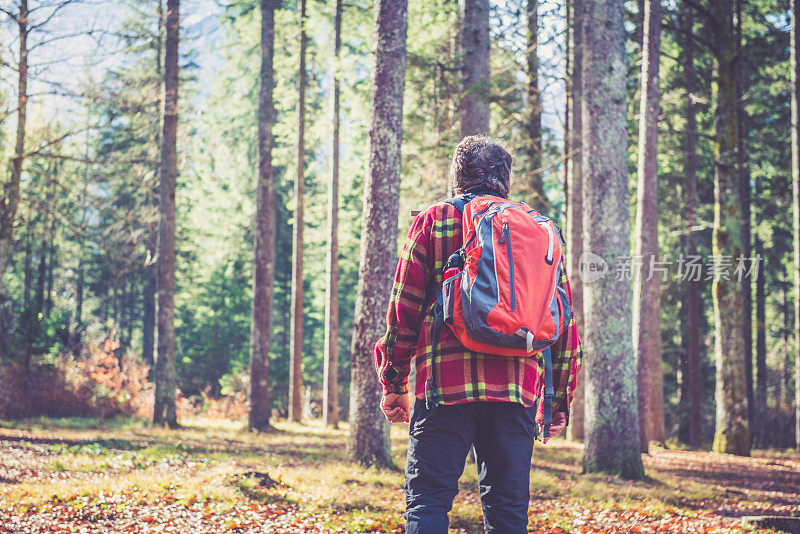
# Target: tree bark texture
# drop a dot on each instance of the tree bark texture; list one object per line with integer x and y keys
{"x": 565, "y": 153}
{"x": 368, "y": 442}
{"x": 476, "y": 74}
{"x": 732, "y": 434}
{"x": 164, "y": 403}
{"x": 264, "y": 235}
{"x": 794, "y": 48}
{"x": 79, "y": 284}
{"x": 611, "y": 418}
{"x": 760, "y": 397}
{"x": 149, "y": 296}
{"x": 759, "y": 406}
{"x": 296, "y": 342}
{"x": 10, "y": 200}
{"x": 28, "y": 269}
{"x": 782, "y": 399}
{"x": 41, "y": 271}
{"x": 330, "y": 394}
{"x": 149, "y": 315}
{"x": 692, "y": 285}
{"x": 646, "y": 284}
{"x": 51, "y": 247}
{"x": 745, "y": 193}
{"x": 536, "y": 181}
{"x": 575, "y": 194}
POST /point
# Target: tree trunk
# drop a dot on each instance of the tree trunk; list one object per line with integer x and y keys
{"x": 265, "y": 230}
{"x": 122, "y": 299}
{"x": 692, "y": 285}
{"x": 476, "y": 74}
{"x": 149, "y": 315}
{"x": 164, "y": 405}
{"x": 330, "y": 396}
{"x": 612, "y": 419}
{"x": 536, "y": 181}
{"x": 42, "y": 270}
{"x": 575, "y": 195}
{"x": 28, "y": 268}
{"x": 565, "y": 154}
{"x": 732, "y": 433}
{"x": 10, "y": 200}
{"x": 130, "y": 304}
{"x": 646, "y": 284}
{"x": 149, "y": 296}
{"x": 76, "y": 339}
{"x": 368, "y": 441}
{"x": 114, "y": 302}
{"x": 760, "y": 397}
{"x": 296, "y": 343}
{"x": 782, "y": 393}
{"x": 744, "y": 191}
{"x": 48, "y": 298}
{"x": 794, "y": 48}
{"x": 51, "y": 254}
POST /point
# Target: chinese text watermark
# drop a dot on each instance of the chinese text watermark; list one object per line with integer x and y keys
{"x": 685, "y": 268}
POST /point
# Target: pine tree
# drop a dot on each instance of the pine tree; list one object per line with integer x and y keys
{"x": 368, "y": 442}
{"x": 794, "y": 49}
{"x": 611, "y": 418}
{"x": 330, "y": 394}
{"x": 10, "y": 199}
{"x": 264, "y": 234}
{"x": 534, "y": 109}
{"x": 296, "y": 343}
{"x": 745, "y": 194}
{"x": 164, "y": 405}
{"x": 732, "y": 433}
{"x": 575, "y": 192}
{"x": 646, "y": 290}
{"x": 149, "y": 296}
{"x": 692, "y": 374}
{"x": 475, "y": 69}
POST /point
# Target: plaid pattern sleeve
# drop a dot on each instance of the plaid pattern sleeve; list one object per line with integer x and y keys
{"x": 393, "y": 352}
{"x": 567, "y": 354}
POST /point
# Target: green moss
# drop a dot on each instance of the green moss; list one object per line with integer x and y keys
{"x": 737, "y": 441}
{"x": 631, "y": 467}
{"x": 628, "y": 466}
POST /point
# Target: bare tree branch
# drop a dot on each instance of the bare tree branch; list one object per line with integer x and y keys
{"x": 92, "y": 161}
{"x": 10, "y": 14}
{"x": 58, "y": 8}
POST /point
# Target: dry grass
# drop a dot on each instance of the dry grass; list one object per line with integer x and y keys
{"x": 72, "y": 465}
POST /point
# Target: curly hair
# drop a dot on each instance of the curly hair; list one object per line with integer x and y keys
{"x": 481, "y": 163}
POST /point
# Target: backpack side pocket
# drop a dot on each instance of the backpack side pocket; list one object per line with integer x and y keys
{"x": 449, "y": 288}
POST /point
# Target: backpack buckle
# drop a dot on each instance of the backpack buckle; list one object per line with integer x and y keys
{"x": 456, "y": 259}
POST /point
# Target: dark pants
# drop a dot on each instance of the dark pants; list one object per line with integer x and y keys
{"x": 438, "y": 444}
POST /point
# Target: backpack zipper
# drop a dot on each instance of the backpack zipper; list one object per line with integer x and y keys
{"x": 543, "y": 221}
{"x": 506, "y": 236}
{"x": 550, "y": 243}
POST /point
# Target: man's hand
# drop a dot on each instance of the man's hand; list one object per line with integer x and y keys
{"x": 395, "y": 407}
{"x": 558, "y": 424}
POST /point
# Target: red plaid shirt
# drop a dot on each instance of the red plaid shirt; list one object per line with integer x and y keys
{"x": 460, "y": 375}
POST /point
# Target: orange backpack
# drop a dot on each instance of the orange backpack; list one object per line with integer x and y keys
{"x": 501, "y": 292}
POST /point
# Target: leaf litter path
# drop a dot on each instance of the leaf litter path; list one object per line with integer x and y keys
{"x": 199, "y": 518}
{"x": 687, "y": 492}
{"x": 720, "y": 490}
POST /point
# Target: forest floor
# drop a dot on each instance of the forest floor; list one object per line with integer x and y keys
{"x": 80, "y": 476}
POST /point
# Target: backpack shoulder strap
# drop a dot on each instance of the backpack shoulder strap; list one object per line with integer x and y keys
{"x": 460, "y": 201}
{"x": 431, "y": 395}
